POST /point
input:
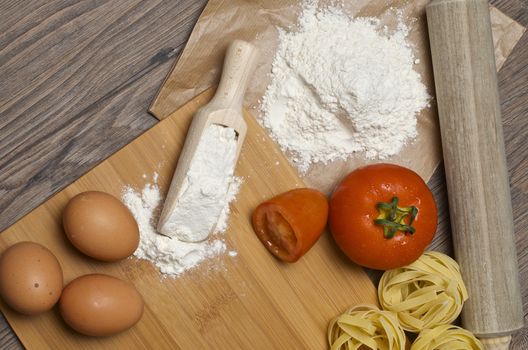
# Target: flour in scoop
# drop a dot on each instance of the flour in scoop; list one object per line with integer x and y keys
{"x": 204, "y": 204}
{"x": 342, "y": 85}
{"x": 205, "y": 189}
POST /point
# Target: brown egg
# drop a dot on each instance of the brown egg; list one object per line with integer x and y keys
{"x": 100, "y": 305}
{"x": 30, "y": 278}
{"x": 100, "y": 226}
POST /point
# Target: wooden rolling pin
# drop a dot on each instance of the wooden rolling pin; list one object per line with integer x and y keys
{"x": 475, "y": 165}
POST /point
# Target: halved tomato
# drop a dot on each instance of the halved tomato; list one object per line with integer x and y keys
{"x": 289, "y": 224}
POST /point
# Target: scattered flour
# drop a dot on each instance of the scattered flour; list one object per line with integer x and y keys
{"x": 342, "y": 85}
{"x": 205, "y": 189}
{"x": 171, "y": 255}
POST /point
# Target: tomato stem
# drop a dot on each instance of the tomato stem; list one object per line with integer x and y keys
{"x": 393, "y": 218}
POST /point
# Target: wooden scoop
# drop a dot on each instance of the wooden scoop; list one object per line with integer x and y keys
{"x": 224, "y": 109}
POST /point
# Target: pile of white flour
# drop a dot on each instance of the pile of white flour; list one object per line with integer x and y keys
{"x": 342, "y": 85}
{"x": 171, "y": 255}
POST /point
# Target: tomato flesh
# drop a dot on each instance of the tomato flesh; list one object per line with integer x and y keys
{"x": 280, "y": 233}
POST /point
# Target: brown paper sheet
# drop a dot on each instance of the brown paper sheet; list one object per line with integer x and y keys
{"x": 200, "y": 63}
{"x": 506, "y": 34}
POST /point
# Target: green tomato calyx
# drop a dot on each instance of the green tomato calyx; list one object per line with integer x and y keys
{"x": 394, "y": 218}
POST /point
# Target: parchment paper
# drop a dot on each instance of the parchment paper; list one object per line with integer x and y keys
{"x": 199, "y": 67}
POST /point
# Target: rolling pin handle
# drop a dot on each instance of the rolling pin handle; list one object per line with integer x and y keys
{"x": 502, "y": 343}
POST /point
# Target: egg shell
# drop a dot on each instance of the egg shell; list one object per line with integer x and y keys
{"x": 100, "y": 226}
{"x": 100, "y": 305}
{"x": 30, "y": 278}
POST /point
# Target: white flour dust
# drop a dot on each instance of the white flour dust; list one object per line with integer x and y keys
{"x": 342, "y": 85}
{"x": 204, "y": 194}
{"x": 170, "y": 255}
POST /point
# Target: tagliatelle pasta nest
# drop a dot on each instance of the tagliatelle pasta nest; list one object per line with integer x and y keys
{"x": 446, "y": 337}
{"x": 425, "y": 294}
{"x": 366, "y": 325}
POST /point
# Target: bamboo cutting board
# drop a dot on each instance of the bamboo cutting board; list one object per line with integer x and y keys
{"x": 247, "y": 301}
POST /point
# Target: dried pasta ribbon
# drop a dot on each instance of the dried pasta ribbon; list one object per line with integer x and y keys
{"x": 427, "y": 293}
{"x": 446, "y": 337}
{"x": 365, "y": 326}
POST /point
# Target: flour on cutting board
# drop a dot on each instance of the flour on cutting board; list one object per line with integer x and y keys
{"x": 341, "y": 85}
{"x": 171, "y": 255}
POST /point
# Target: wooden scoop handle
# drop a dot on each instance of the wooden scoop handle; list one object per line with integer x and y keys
{"x": 238, "y": 66}
{"x": 475, "y": 165}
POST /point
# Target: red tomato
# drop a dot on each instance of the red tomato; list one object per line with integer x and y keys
{"x": 383, "y": 216}
{"x": 289, "y": 224}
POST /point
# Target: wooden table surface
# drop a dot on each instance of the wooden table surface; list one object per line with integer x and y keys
{"x": 76, "y": 78}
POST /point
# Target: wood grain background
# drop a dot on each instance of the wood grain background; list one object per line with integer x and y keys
{"x": 76, "y": 79}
